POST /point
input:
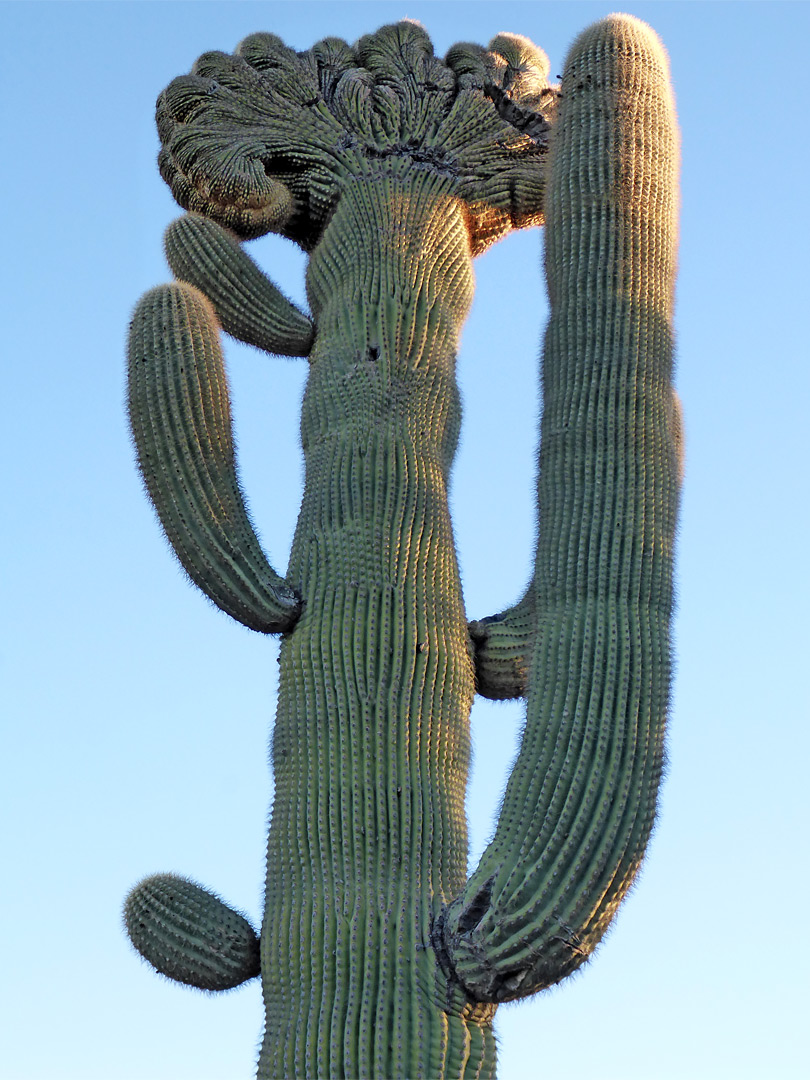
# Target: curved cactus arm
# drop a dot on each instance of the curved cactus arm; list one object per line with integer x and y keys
{"x": 188, "y": 934}
{"x": 180, "y": 416}
{"x": 580, "y": 803}
{"x": 247, "y": 303}
{"x": 502, "y": 646}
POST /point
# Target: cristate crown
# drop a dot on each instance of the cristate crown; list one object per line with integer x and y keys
{"x": 265, "y": 139}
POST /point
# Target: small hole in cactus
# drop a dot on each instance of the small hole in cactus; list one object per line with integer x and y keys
{"x": 373, "y": 352}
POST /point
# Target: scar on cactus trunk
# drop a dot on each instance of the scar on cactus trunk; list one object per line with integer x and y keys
{"x": 393, "y": 169}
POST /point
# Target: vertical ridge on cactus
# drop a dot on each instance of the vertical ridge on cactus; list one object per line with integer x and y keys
{"x": 393, "y": 168}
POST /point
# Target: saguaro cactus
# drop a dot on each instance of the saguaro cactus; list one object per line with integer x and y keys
{"x": 393, "y": 168}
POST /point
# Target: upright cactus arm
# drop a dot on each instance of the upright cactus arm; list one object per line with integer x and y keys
{"x": 502, "y": 644}
{"x": 180, "y": 419}
{"x": 247, "y": 304}
{"x": 580, "y": 803}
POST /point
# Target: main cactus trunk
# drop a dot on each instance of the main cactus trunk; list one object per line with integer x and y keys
{"x": 370, "y": 747}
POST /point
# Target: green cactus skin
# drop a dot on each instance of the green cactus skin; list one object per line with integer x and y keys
{"x": 580, "y": 802}
{"x": 393, "y": 169}
{"x": 180, "y": 418}
{"x": 368, "y": 830}
{"x": 502, "y": 645}
{"x": 247, "y": 304}
{"x": 190, "y": 935}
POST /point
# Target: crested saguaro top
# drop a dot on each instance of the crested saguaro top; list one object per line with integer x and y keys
{"x": 264, "y": 140}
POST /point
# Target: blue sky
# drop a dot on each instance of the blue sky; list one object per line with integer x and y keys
{"x": 136, "y": 716}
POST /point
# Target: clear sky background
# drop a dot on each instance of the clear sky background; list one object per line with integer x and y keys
{"x": 136, "y": 717}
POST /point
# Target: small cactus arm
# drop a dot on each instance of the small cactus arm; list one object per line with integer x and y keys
{"x": 190, "y": 935}
{"x": 392, "y": 169}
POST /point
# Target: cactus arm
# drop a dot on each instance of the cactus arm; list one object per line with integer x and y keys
{"x": 241, "y": 130}
{"x": 580, "y": 803}
{"x": 502, "y": 646}
{"x": 180, "y": 418}
{"x": 188, "y": 934}
{"x": 247, "y": 304}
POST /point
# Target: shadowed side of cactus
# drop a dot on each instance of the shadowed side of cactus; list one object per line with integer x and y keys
{"x": 393, "y": 169}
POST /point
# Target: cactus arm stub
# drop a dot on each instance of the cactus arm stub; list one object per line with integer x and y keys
{"x": 580, "y": 802}
{"x": 248, "y": 305}
{"x": 180, "y": 419}
{"x": 502, "y": 647}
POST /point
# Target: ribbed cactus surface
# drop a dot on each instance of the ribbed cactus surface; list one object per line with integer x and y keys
{"x": 393, "y": 168}
{"x": 181, "y": 420}
{"x": 370, "y": 747}
{"x": 190, "y": 935}
{"x": 581, "y": 799}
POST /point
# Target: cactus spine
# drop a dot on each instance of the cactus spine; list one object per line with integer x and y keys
{"x": 393, "y": 169}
